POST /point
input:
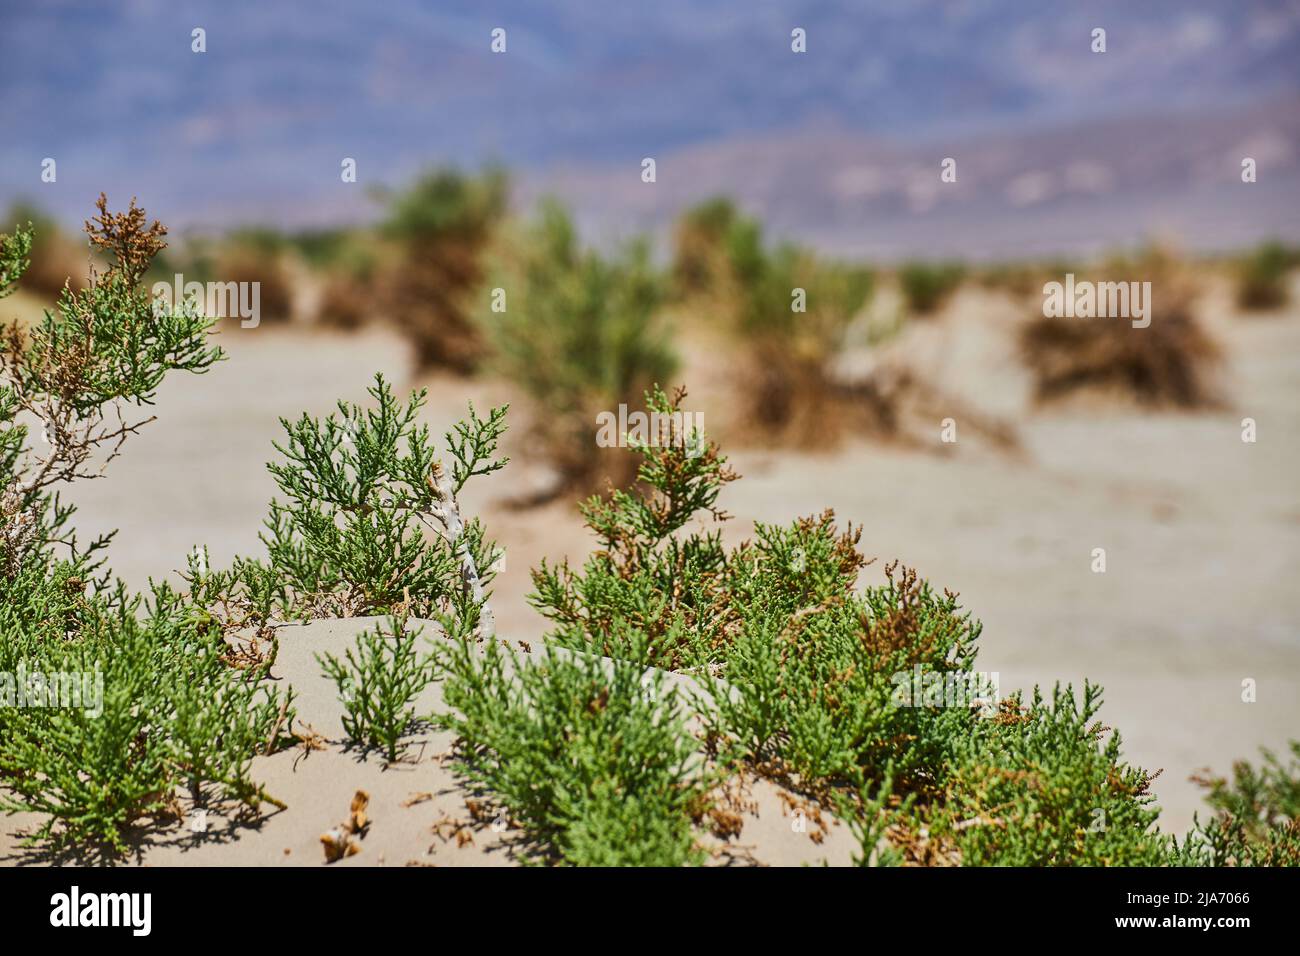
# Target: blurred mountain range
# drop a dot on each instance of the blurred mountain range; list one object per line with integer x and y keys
{"x": 1079, "y": 188}
{"x": 1058, "y": 148}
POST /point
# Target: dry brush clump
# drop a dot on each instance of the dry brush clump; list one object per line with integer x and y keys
{"x": 1169, "y": 363}
{"x": 927, "y": 286}
{"x": 1262, "y": 277}
{"x": 796, "y": 395}
{"x": 345, "y": 303}
{"x": 259, "y": 256}
{"x": 441, "y": 229}
{"x": 794, "y": 318}
{"x": 344, "y": 264}
{"x": 788, "y": 314}
{"x": 582, "y": 334}
{"x": 702, "y": 263}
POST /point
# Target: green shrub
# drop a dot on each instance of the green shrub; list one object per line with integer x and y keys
{"x": 1262, "y": 277}
{"x": 173, "y": 715}
{"x": 580, "y": 335}
{"x": 443, "y": 225}
{"x": 361, "y": 530}
{"x": 1256, "y": 818}
{"x": 788, "y": 311}
{"x": 378, "y": 685}
{"x": 927, "y": 286}
{"x": 865, "y": 700}
{"x": 166, "y": 711}
{"x": 185, "y": 705}
{"x": 77, "y": 374}
{"x": 724, "y": 254}
{"x": 1044, "y": 785}
{"x": 643, "y": 576}
{"x": 591, "y": 758}
{"x": 814, "y": 694}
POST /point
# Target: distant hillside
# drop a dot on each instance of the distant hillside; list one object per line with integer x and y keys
{"x": 1065, "y": 188}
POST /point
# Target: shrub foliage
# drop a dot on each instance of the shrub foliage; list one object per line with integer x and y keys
{"x": 580, "y": 334}
{"x": 788, "y": 312}
{"x": 148, "y": 706}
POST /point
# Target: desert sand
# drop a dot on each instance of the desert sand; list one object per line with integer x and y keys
{"x": 1201, "y": 531}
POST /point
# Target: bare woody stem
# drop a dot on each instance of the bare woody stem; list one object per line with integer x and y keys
{"x": 448, "y": 512}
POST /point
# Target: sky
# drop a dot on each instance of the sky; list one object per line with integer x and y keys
{"x": 256, "y": 126}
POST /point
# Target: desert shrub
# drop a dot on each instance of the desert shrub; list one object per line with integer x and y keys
{"x": 443, "y": 225}
{"x": 928, "y": 285}
{"x": 378, "y": 683}
{"x": 792, "y": 314}
{"x": 865, "y": 700}
{"x": 701, "y": 237}
{"x": 1045, "y": 785}
{"x": 643, "y": 578}
{"x": 103, "y": 350}
{"x": 818, "y": 696}
{"x": 146, "y": 703}
{"x": 580, "y": 334}
{"x": 56, "y": 259}
{"x": 369, "y": 523}
{"x": 794, "y": 317}
{"x": 345, "y": 302}
{"x": 590, "y": 758}
{"x": 1168, "y": 363}
{"x": 1262, "y": 277}
{"x": 261, "y": 256}
{"x": 788, "y": 339}
{"x": 794, "y": 394}
{"x": 171, "y": 715}
{"x": 1024, "y": 278}
{"x": 1256, "y": 815}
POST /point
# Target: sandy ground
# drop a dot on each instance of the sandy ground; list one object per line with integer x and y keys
{"x": 1201, "y": 530}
